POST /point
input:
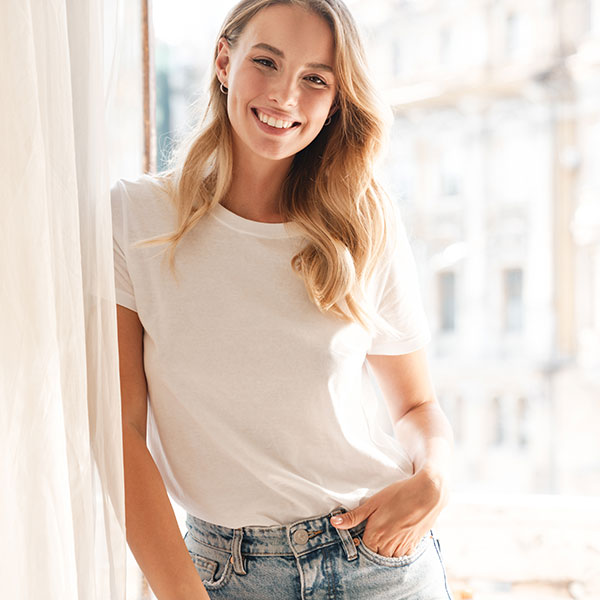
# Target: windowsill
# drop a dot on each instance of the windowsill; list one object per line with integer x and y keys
{"x": 522, "y": 545}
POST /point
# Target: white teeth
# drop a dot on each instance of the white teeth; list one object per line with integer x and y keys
{"x": 278, "y": 123}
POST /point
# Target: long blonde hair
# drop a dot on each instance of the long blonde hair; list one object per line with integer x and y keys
{"x": 330, "y": 190}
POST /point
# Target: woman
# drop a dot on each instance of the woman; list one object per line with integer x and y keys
{"x": 292, "y": 272}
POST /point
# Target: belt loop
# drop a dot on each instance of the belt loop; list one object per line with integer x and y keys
{"x": 236, "y": 552}
{"x": 347, "y": 541}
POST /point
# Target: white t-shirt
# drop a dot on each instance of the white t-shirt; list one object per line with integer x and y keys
{"x": 261, "y": 408}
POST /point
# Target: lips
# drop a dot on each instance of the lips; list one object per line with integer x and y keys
{"x": 274, "y": 122}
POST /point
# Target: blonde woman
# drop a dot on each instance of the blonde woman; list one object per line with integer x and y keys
{"x": 245, "y": 389}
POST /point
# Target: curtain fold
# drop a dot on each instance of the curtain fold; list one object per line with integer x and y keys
{"x": 62, "y": 500}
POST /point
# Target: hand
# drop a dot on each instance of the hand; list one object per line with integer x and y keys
{"x": 399, "y": 515}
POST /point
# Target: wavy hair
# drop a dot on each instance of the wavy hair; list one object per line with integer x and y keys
{"x": 330, "y": 190}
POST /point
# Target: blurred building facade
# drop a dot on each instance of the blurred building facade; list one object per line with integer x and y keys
{"x": 494, "y": 159}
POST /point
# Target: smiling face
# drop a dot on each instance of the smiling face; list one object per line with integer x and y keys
{"x": 280, "y": 81}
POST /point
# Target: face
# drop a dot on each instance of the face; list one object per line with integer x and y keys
{"x": 280, "y": 81}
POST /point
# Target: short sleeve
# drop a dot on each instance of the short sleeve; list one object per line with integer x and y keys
{"x": 123, "y": 286}
{"x": 398, "y": 300}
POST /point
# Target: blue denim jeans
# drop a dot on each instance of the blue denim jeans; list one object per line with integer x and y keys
{"x": 310, "y": 559}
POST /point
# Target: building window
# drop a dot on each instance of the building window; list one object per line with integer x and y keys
{"x": 515, "y": 34}
{"x": 586, "y": 16}
{"x": 523, "y": 417}
{"x": 447, "y": 295}
{"x": 498, "y": 423}
{"x": 590, "y": 17}
{"x": 450, "y": 165}
{"x": 513, "y": 300}
{"x": 398, "y": 57}
{"x": 445, "y": 45}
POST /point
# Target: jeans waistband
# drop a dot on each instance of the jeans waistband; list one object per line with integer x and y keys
{"x": 295, "y": 539}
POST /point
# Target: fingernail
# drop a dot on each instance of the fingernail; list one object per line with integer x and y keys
{"x": 337, "y": 520}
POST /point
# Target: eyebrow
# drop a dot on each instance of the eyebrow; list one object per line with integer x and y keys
{"x": 280, "y": 53}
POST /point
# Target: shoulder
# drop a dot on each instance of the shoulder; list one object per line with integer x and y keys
{"x": 142, "y": 189}
{"x": 142, "y": 200}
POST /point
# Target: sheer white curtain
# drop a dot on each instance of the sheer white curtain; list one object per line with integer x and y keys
{"x": 61, "y": 502}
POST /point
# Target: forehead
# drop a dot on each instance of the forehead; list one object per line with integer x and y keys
{"x": 302, "y": 35}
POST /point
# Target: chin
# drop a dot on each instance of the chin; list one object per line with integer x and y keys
{"x": 277, "y": 155}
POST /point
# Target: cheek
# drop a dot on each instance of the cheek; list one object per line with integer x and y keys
{"x": 318, "y": 107}
{"x": 318, "y": 101}
{"x": 246, "y": 84}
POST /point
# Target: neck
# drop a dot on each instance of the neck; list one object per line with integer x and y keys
{"x": 256, "y": 188}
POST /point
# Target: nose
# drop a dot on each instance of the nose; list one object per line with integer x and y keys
{"x": 284, "y": 91}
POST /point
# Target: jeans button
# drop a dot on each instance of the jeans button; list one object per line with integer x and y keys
{"x": 300, "y": 536}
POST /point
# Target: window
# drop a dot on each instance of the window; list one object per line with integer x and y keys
{"x": 590, "y": 17}
{"x": 445, "y": 45}
{"x": 523, "y": 416}
{"x": 515, "y": 34}
{"x": 513, "y": 300}
{"x": 586, "y": 16}
{"x": 498, "y": 424}
{"x": 164, "y": 117}
{"x": 398, "y": 58}
{"x": 519, "y": 155}
{"x": 447, "y": 287}
{"x": 450, "y": 173}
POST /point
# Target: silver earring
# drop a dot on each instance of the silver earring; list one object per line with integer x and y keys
{"x": 223, "y": 89}
{"x": 327, "y": 122}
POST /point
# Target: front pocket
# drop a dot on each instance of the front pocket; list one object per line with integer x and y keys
{"x": 213, "y": 564}
{"x": 394, "y": 561}
{"x": 206, "y": 568}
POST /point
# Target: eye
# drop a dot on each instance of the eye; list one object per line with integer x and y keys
{"x": 265, "y": 62}
{"x": 316, "y": 79}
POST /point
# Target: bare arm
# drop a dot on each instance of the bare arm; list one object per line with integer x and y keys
{"x": 152, "y": 530}
{"x": 418, "y": 420}
{"x": 400, "y": 514}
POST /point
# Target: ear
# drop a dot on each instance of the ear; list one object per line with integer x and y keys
{"x": 334, "y": 108}
{"x": 222, "y": 61}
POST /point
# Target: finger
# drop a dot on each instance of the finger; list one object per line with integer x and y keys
{"x": 376, "y": 549}
{"x": 380, "y": 542}
{"x": 389, "y": 551}
{"x": 406, "y": 550}
{"x": 353, "y": 517}
{"x": 380, "y": 548}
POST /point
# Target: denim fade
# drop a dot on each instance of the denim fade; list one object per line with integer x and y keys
{"x": 310, "y": 560}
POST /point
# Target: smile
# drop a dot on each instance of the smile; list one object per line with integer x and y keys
{"x": 273, "y": 122}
